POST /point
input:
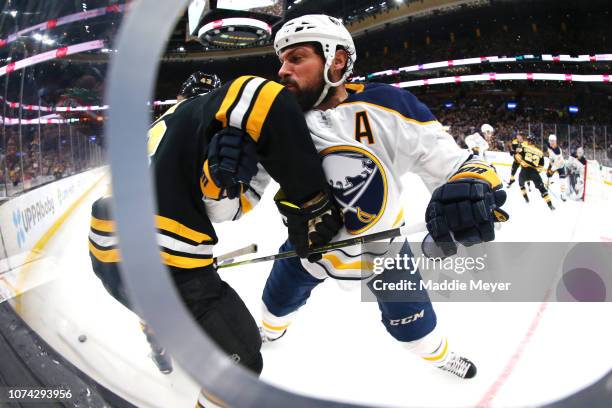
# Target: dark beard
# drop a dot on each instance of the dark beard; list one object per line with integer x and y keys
{"x": 306, "y": 98}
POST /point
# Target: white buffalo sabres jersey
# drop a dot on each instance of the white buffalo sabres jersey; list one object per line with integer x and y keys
{"x": 477, "y": 144}
{"x": 555, "y": 156}
{"x": 367, "y": 143}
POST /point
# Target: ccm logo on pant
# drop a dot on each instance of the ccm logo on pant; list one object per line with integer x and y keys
{"x": 408, "y": 319}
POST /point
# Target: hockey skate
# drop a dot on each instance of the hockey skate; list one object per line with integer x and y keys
{"x": 162, "y": 360}
{"x": 158, "y": 353}
{"x": 460, "y": 366}
{"x": 266, "y": 338}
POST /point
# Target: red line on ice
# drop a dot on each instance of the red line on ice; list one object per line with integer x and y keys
{"x": 518, "y": 353}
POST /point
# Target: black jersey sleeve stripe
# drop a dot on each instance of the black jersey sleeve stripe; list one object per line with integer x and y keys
{"x": 261, "y": 108}
{"x": 230, "y": 99}
{"x": 104, "y": 256}
{"x": 252, "y": 103}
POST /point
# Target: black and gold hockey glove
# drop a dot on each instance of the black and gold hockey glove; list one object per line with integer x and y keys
{"x": 310, "y": 225}
{"x": 466, "y": 207}
{"x": 232, "y": 163}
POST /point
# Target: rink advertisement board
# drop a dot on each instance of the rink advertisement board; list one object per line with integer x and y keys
{"x": 27, "y": 218}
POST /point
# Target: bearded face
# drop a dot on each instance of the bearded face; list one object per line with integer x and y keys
{"x": 302, "y": 74}
{"x": 306, "y": 95}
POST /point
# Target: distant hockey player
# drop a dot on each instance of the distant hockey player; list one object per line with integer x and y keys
{"x": 577, "y": 168}
{"x": 515, "y": 148}
{"x": 368, "y": 136}
{"x": 198, "y": 83}
{"x": 532, "y": 161}
{"x": 477, "y": 144}
{"x": 556, "y": 164}
{"x": 204, "y": 151}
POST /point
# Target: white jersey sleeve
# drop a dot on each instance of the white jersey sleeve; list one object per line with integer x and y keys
{"x": 367, "y": 144}
{"x": 555, "y": 157}
{"x": 575, "y": 166}
{"x": 427, "y": 150}
{"x": 232, "y": 209}
{"x": 476, "y": 141}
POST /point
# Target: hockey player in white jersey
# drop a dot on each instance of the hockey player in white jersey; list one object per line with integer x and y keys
{"x": 556, "y": 164}
{"x": 369, "y": 136}
{"x": 576, "y": 167}
{"x": 477, "y": 144}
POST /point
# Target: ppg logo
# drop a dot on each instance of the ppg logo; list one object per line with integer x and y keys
{"x": 17, "y": 222}
{"x": 359, "y": 185}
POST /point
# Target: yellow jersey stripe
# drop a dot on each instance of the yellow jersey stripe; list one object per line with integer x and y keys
{"x": 213, "y": 399}
{"x": 230, "y": 98}
{"x": 261, "y": 108}
{"x": 399, "y": 218}
{"x": 102, "y": 225}
{"x": 278, "y": 328}
{"x": 355, "y": 87}
{"x": 338, "y": 264}
{"x": 207, "y": 184}
{"x": 406, "y": 118}
{"x": 184, "y": 262}
{"x": 440, "y": 355}
{"x": 108, "y": 256}
{"x": 181, "y": 230}
{"x": 245, "y": 204}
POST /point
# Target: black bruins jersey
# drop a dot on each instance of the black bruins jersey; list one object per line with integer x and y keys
{"x": 530, "y": 156}
{"x": 178, "y": 144}
{"x": 515, "y": 146}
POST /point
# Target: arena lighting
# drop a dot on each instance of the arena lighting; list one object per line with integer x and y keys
{"x": 234, "y": 32}
{"x": 491, "y": 60}
{"x": 448, "y": 105}
{"x": 233, "y": 23}
{"x": 52, "y": 54}
{"x": 71, "y": 18}
{"x": 573, "y": 109}
{"x": 511, "y": 105}
{"x": 492, "y": 76}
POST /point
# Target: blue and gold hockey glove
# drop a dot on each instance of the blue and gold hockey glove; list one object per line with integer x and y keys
{"x": 310, "y": 225}
{"x": 232, "y": 163}
{"x": 466, "y": 207}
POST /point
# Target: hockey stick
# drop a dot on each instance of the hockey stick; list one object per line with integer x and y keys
{"x": 229, "y": 257}
{"x": 392, "y": 233}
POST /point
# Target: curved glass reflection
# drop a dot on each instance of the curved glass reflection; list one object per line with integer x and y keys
{"x": 62, "y": 330}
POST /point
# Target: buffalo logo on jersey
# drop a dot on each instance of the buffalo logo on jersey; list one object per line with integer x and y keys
{"x": 359, "y": 184}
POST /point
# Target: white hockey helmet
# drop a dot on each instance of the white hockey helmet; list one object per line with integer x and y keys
{"x": 580, "y": 152}
{"x": 552, "y": 138}
{"x": 325, "y": 30}
{"x": 486, "y": 128}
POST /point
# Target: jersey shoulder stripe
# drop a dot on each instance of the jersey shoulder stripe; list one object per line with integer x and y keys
{"x": 261, "y": 108}
{"x": 247, "y": 103}
{"x": 229, "y": 100}
{"x": 394, "y": 99}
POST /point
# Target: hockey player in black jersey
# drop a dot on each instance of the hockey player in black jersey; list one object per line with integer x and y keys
{"x": 198, "y": 83}
{"x": 515, "y": 147}
{"x": 531, "y": 160}
{"x": 207, "y": 148}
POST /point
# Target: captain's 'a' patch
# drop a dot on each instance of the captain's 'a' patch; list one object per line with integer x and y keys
{"x": 359, "y": 185}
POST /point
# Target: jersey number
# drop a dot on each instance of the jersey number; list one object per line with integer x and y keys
{"x": 532, "y": 158}
{"x": 158, "y": 130}
{"x": 363, "y": 128}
